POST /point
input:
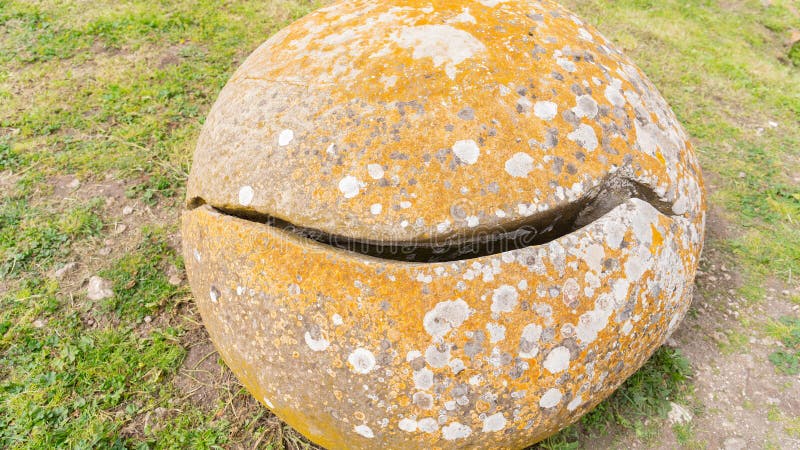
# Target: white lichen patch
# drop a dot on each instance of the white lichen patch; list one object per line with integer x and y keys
{"x": 463, "y": 17}
{"x": 574, "y": 403}
{"x": 455, "y": 431}
{"x": 585, "y": 106}
{"x": 591, "y": 254}
{"x": 557, "y": 360}
{"x": 436, "y": 357}
{"x": 493, "y": 423}
{"x": 627, "y": 327}
{"x": 444, "y": 44}
{"x": 467, "y": 151}
{"x": 592, "y": 322}
{"x": 566, "y": 64}
{"x": 409, "y": 425}
{"x": 496, "y": 331}
{"x": 519, "y": 165}
{"x": 427, "y": 425}
{"x": 504, "y": 299}
{"x": 445, "y": 316}
{"x": 551, "y": 398}
{"x": 584, "y": 136}
{"x": 423, "y": 379}
{"x": 246, "y": 194}
{"x": 491, "y": 3}
{"x": 545, "y": 110}
{"x": 613, "y": 93}
{"x": 375, "y": 209}
{"x": 318, "y": 345}
{"x": 529, "y": 341}
{"x": 361, "y": 361}
{"x": 349, "y": 186}
{"x": 375, "y": 171}
{"x": 285, "y": 137}
{"x": 456, "y": 366}
{"x": 364, "y": 430}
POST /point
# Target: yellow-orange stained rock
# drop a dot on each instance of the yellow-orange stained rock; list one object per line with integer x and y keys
{"x": 407, "y": 120}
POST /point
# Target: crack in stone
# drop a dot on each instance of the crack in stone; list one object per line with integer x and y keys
{"x": 538, "y": 229}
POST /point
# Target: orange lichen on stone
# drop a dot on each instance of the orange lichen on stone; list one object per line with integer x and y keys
{"x": 422, "y": 127}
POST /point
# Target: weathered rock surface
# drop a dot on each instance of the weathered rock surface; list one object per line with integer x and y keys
{"x": 440, "y": 224}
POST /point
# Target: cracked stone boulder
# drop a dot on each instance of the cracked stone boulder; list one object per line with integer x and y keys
{"x": 440, "y": 224}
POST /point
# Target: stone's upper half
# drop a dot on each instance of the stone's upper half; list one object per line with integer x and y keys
{"x": 410, "y": 120}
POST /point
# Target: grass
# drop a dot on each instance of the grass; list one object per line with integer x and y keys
{"x": 139, "y": 281}
{"x": 116, "y": 92}
{"x": 35, "y": 236}
{"x": 787, "y": 331}
{"x": 68, "y": 386}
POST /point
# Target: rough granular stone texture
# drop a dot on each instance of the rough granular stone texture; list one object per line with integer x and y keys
{"x": 434, "y": 126}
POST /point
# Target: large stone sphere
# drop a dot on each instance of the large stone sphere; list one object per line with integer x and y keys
{"x": 440, "y": 224}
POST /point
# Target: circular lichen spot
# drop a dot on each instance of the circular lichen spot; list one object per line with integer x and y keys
{"x": 361, "y": 360}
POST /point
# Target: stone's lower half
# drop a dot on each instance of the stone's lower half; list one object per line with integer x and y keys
{"x": 497, "y": 351}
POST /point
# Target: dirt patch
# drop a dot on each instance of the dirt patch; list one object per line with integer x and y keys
{"x": 8, "y": 180}
{"x": 201, "y": 376}
{"x": 734, "y": 381}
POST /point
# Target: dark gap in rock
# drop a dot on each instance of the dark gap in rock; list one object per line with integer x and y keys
{"x": 538, "y": 229}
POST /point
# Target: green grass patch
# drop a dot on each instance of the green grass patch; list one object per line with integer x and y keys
{"x": 685, "y": 436}
{"x": 787, "y": 331}
{"x": 794, "y": 54}
{"x": 66, "y": 386}
{"x": 35, "y": 237}
{"x": 9, "y": 159}
{"x": 154, "y": 189}
{"x": 647, "y": 393}
{"x": 189, "y": 430}
{"x": 139, "y": 281}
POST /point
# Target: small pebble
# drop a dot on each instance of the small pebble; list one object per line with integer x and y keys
{"x": 99, "y": 289}
{"x": 66, "y": 268}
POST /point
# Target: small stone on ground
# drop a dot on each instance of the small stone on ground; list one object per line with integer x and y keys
{"x": 99, "y": 289}
{"x": 66, "y": 268}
